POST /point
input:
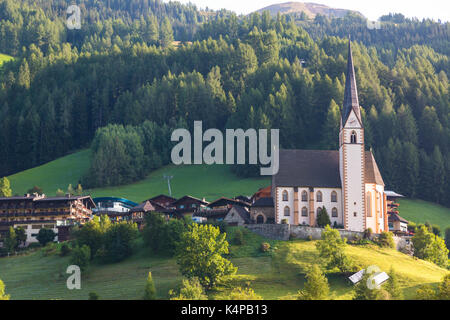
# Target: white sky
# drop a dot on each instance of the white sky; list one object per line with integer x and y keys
{"x": 372, "y": 9}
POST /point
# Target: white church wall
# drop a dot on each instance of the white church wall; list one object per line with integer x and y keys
{"x": 326, "y": 201}
{"x": 355, "y": 189}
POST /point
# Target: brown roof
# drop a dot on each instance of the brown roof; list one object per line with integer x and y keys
{"x": 372, "y": 174}
{"x": 227, "y": 201}
{"x": 396, "y": 217}
{"x": 145, "y": 206}
{"x": 318, "y": 168}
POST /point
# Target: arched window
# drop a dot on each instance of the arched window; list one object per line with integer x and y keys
{"x": 353, "y": 137}
{"x": 334, "y": 196}
{"x": 304, "y": 196}
{"x": 287, "y": 211}
{"x": 319, "y": 196}
{"x": 369, "y": 204}
{"x": 334, "y": 212}
{"x": 285, "y": 195}
{"x": 319, "y": 209}
{"x": 304, "y": 212}
{"x": 260, "y": 219}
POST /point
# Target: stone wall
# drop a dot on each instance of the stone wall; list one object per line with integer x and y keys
{"x": 286, "y": 232}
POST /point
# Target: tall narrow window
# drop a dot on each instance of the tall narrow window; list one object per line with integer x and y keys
{"x": 369, "y": 204}
{"x": 353, "y": 137}
{"x": 304, "y": 196}
{"x": 319, "y": 210}
{"x": 334, "y": 196}
{"x": 304, "y": 212}
{"x": 319, "y": 196}
{"x": 287, "y": 211}
{"x": 285, "y": 195}
{"x": 334, "y": 213}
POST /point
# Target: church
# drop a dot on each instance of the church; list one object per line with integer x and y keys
{"x": 346, "y": 182}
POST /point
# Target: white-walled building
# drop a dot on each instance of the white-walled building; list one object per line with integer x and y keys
{"x": 346, "y": 182}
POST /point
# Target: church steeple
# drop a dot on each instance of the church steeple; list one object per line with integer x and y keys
{"x": 351, "y": 92}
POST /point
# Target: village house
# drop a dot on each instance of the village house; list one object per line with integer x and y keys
{"x": 117, "y": 209}
{"x": 237, "y": 216}
{"x": 262, "y": 210}
{"x": 35, "y": 212}
{"x": 162, "y": 200}
{"x": 346, "y": 182}
{"x": 186, "y": 206}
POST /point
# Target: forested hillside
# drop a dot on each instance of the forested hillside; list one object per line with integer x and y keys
{"x": 121, "y": 69}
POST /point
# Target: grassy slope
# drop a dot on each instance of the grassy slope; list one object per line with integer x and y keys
{"x": 211, "y": 182}
{"x": 421, "y": 211}
{"x": 4, "y": 58}
{"x": 53, "y": 175}
{"x": 274, "y": 276}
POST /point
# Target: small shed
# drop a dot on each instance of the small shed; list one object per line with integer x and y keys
{"x": 237, "y": 216}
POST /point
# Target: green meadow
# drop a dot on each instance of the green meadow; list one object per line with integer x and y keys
{"x": 4, "y": 58}
{"x": 278, "y": 274}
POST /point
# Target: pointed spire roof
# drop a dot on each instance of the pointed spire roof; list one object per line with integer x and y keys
{"x": 350, "y": 91}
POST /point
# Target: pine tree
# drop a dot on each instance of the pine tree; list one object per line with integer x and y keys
{"x": 393, "y": 287}
{"x": 150, "y": 291}
{"x": 316, "y": 286}
{"x": 331, "y": 127}
{"x": 166, "y": 33}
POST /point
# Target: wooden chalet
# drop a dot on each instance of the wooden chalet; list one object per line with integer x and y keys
{"x": 187, "y": 205}
{"x": 226, "y": 203}
{"x": 162, "y": 200}
{"x": 34, "y": 212}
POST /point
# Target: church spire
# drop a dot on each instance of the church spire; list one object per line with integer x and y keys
{"x": 350, "y": 92}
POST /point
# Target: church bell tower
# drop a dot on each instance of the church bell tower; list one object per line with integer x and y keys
{"x": 351, "y": 154}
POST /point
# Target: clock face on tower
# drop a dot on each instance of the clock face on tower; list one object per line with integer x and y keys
{"x": 352, "y": 122}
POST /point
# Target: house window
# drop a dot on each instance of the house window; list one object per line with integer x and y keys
{"x": 319, "y": 196}
{"x": 304, "y": 196}
{"x": 355, "y": 214}
{"x": 304, "y": 212}
{"x": 285, "y": 195}
{"x": 369, "y": 204}
{"x": 287, "y": 211}
{"x": 334, "y": 213}
{"x": 353, "y": 137}
{"x": 334, "y": 196}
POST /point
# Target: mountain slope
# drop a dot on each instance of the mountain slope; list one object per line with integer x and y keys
{"x": 309, "y": 8}
{"x": 278, "y": 275}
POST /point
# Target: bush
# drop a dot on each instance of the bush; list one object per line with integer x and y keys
{"x": 93, "y": 296}
{"x": 284, "y": 221}
{"x": 316, "y": 286}
{"x": 309, "y": 238}
{"x": 386, "y": 240}
{"x": 368, "y": 233}
{"x": 150, "y": 291}
{"x": 45, "y": 236}
{"x": 81, "y": 257}
{"x": 323, "y": 219}
{"x": 332, "y": 250}
{"x": 65, "y": 250}
{"x": 191, "y": 289}
{"x": 265, "y": 247}
{"x": 238, "y": 237}
{"x": 243, "y": 294}
{"x": 119, "y": 241}
{"x": 430, "y": 247}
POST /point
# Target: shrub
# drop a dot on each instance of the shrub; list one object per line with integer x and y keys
{"x": 316, "y": 286}
{"x": 238, "y": 237}
{"x": 191, "y": 289}
{"x": 430, "y": 247}
{"x": 243, "y": 294}
{"x": 81, "y": 257}
{"x": 368, "y": 233}
{"x": 93, "y": 296}
{"x": 323, "y": 219}
{"x": 45, "y": 236}
{"x": 3, "y": 295}
{"x": 332, "y": 250}
{"x": 284, "y": 221}
{"x": 119, "y": 240}
{"x": 309, "y": 238}
{"x": 65, "y": 250}
{"x": 386, "y": 239}
{"x": 265, "y": 247}
{"x": 150, "y": 291}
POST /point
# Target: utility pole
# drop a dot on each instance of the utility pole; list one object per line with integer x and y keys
{"x": 168, "y": 183}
